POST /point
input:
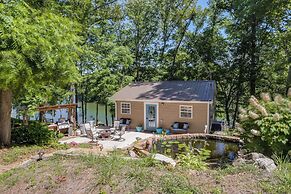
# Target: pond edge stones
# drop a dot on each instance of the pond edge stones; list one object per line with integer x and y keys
{"x": 164, "y": 159}
{"x": 258, "y": 159}
{"x": 141, "y": 148}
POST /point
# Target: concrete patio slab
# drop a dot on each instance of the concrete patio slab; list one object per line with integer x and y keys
{"x": 129, "y": 138}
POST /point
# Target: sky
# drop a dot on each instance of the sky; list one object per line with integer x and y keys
{"x": 202, "y": 3}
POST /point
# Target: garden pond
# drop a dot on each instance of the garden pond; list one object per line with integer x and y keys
{"x": 220, "y": 151}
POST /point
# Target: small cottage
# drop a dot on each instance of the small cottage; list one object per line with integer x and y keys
{"x": 188, "y": 105}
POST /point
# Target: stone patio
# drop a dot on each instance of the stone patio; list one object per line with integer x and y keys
{"x": 129, "y": 139}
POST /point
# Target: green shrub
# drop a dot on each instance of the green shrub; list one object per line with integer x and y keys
{"x": 34, "y": 133}
{"x": 266, "y": 124}
{"x": 193, "y": 161}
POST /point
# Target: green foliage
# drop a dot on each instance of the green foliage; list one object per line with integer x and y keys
{"x": 130, "y": 176}
{"x": 281, "y": 159}
{"x": 217, "y": 190}
{"x": 176, "y": 184}
{"x": 140, "y": 177}
{"x": 85, "y": 145}
{"x": 8, "y": 176}
{"x": 265, "y": 125}
{"x": 229, "y": 169}
{"x": 281, "y": 177}
{"x": 149, "y": 161}
{"x": 38, "y": 49}
{"x": 113, "y": 43}
{"x": 18, "y": 152}
{"x": 34, "y": 133}
{"x": 195, "y": 161}
{"x": 38, "y": 52}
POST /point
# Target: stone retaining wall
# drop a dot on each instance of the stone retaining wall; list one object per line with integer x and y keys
{"x": 195, "y": 135}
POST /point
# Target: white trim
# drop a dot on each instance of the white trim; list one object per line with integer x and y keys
{"x": 115, "y": 111}
{"x": 165, "y": 101}
{"x": 129, "y": 108}
{"x": 185, "y": 117}
{"x": 145, "y": 111}
{"x": 208, "y": 118}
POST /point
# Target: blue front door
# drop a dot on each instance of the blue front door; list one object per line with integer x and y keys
{"x": 151, "y": 116}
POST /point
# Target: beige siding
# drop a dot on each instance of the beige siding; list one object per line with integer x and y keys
{"x": 168, "y": 113}
{"x": 136, "y": 115}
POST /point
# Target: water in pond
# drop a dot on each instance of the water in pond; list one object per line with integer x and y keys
{"x": 221, "y": 151}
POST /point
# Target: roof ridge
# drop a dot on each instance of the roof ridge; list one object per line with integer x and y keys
{"x": 177, "y": 90}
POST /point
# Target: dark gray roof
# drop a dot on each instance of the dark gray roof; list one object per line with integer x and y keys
{"x": 202, "y": 90}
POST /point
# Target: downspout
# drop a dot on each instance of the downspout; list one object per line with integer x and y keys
{"x": 115, "y": 111}
{"x": 207, "y": 117}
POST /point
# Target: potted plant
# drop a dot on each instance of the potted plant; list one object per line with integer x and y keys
{"x": 159, "y": 130}
{"x": 139, "y": 128}
{"x": 168, "y": 131}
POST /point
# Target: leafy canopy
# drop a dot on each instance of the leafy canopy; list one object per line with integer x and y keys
{"x": 38, "y": 50}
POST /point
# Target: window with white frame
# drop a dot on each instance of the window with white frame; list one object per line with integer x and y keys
{"x": 125, "y": 108}
{"x": 186, "y": 111}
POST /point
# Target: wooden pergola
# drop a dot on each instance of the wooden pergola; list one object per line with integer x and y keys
{"x": 71, "y": 111}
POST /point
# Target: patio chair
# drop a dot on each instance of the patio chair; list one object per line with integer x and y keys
{"x": 90, "y": 133}
{"x": 118, "y": 134}
{"x": 82, "y": 128}
{"x": 125, "y": 122}
{"x": 116, "y": 126}
{"x": 63, "y": 127}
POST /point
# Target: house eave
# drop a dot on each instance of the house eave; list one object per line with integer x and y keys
{"x": 165, "y": 101}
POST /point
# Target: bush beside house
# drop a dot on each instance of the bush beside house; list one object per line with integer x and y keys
{"x": 265, "y": 124}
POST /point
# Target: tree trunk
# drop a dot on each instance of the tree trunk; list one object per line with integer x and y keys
{"x": 253, "y": 54}
{"x": 226, "y": 109}
{"x": 106, "y": 115}
{"x": 239, "y": 92}
{"x": 112, "y": 119}
{"x": 76, "y": 101}
{"x": 83, "y": 115}
{"x": 86, "y": 100}
{"x": 41, "y": 114}
{"x": 5, "y": 117}
{"x": 86, "y": 111}
{"x": 184, "y": 30}
{"x": 97, "y": 112}
{"x": 288, "y": 85}
{"x": 25, "y": 118}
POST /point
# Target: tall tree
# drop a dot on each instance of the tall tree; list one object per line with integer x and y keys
{"x": 141, "y": 32}
{"x": 98, "y": 21}
{"x": 38, "y": 50}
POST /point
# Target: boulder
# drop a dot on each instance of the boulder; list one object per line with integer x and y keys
{"x": 256, "y": 158}
{"x": 266, "y": 163}
{"x": 165, "y": 159}
{"x": 239, "y": 162}
{"x": 139, "y": 151}
{"x": 132, "y": 154}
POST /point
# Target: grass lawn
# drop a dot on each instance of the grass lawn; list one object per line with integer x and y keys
{"x": 20, "y": 153}
{"x": 116, "y": 174}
